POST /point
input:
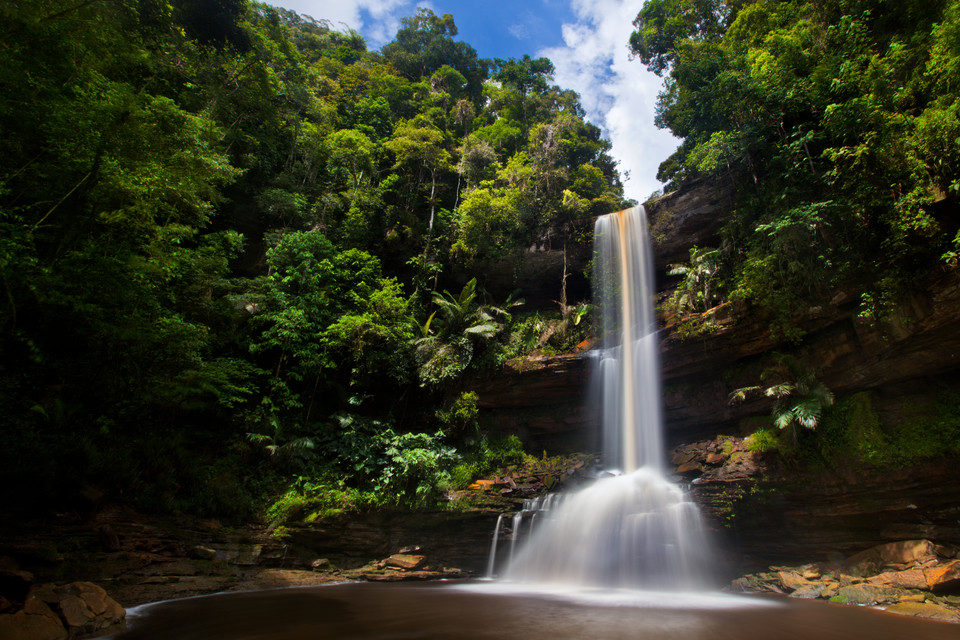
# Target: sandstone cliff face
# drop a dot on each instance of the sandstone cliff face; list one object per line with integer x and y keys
{"x": 776, "y": 513}
{"x": 690, "y": 216}
{"x": 546, "y": 400}
{"x": 768, "y": 509}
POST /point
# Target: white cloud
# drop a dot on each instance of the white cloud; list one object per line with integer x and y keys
{"x": 519, "y": 31}
{"x": 378, "y": 20}
{"x": 619, "y": 95}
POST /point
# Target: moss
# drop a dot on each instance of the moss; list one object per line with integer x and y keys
{"x": 851, "y": 432}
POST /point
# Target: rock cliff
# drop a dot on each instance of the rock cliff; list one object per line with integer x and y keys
{"x": 906, "y": 358}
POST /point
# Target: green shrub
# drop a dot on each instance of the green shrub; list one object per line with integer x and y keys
{"x": 486, "y": 458}
{"x": 763, "y": 440}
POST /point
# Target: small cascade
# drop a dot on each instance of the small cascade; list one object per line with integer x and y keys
{"x": 535, "y": 512}
{"x": 635, "y": 528}
{"x": 493, "y": 547}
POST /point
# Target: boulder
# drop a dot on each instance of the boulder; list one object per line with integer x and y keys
{"x": 322, "y": 564}
{"x": 689, "y": 467}
{"x": 405, "y": 561}
{"x": 810, "y": 591}
{"x": 199, "y": 552}
{"x": 86, "y": 608}
{"x": 76, "y": 613}
{"x": 36, "y": 621}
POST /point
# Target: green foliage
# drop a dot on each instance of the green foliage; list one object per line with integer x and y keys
{"x": 488, "y": 456}
{"x": 799, "y": 397}
{"x": 763, "y": 440}
{"x": 697, "y": 291}
{"x": 926, "y": 430}
{"x": 834, "y": 122}
{"x": 143, "y": 137}
{"x": 464, "y": 326}
{"x": 312, "y": 499}
{"x": 407, "y": 469}
{"x": 461, "y": 416}
{"x": 549, "y": 333}
{"x": 851, "y": 430}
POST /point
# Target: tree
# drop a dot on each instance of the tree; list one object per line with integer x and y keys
{"x": 349, "y": 152}
{"x": 324, "y": 310}
{"x": 425, "y": 43}
{"x": 663, "y": 26}
{"x": 419, "y": 146}
{"x": 525, "y": 77}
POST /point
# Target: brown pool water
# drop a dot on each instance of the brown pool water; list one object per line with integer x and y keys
{"x": 371, "y": 611}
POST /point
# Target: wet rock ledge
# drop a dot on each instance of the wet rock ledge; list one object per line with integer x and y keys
{"x": 911, "y": 577}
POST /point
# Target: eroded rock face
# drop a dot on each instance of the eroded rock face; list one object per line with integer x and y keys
{"x": 890, "y": 576}
{"x": 764, "y": 509}
{"x": 690, "y": 216}
{"x": 546, "y": 401}
{"x": 460, "y": 539}
{"x": 896, "y": 356}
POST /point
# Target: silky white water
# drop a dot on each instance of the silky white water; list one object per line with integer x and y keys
{"x": 634, "y": 529}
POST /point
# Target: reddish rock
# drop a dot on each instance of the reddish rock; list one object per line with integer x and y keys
{"x": 943, "y": 577}
{"x": 46, "y": 592}
{"x": 809, "y": 591}
{"x": 811, "y": 572}
{"x": 86, "y": 608}
{"x": 903, "y": 552}
{"x": 908, "y": 579}
{"x": 913, "y": 597}
{"x": 405, "y": 561}
{"x": 791, "y": 581}
{"x": 715, "y": 458}
{"x": 75, "y": 612}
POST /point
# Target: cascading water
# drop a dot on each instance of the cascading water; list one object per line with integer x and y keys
{"x": 634, "y": 529}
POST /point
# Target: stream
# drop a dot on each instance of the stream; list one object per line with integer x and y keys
{"x": 456, "y": 610}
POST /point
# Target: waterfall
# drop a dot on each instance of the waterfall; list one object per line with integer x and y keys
{"x": 635, "y": 528}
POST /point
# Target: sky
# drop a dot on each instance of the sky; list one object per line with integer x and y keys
{"x": 585, "y": 39}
